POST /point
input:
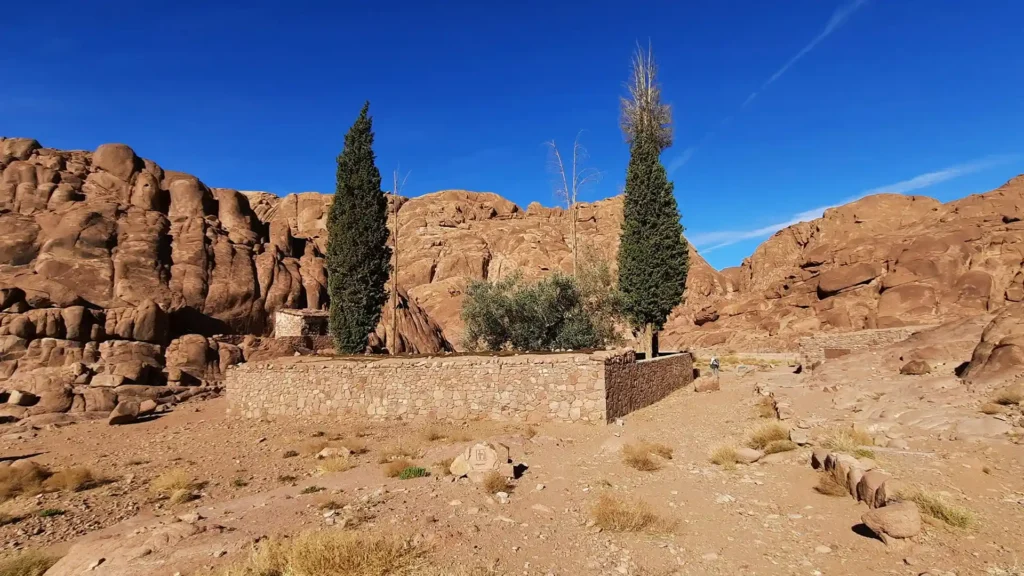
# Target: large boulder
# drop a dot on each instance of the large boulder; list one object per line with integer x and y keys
{"x": 894, "y": 522}
{"x": 1000, "y": 353}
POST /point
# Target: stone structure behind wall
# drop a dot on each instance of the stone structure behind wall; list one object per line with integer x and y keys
{"x": 570, "y": 387}
{"x": 294, "y": 323}
{"x": 829, "y": 345}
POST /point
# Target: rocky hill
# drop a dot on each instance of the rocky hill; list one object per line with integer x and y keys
{"x": 883, "y": 261}
{"x": 108, "y": 260}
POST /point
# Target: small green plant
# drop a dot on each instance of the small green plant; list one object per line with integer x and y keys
{"x": 312, "y": 489}
{"x": 239, "y": 483}
{"x": 51, "y": 512}
{"x": 413, "y": 472}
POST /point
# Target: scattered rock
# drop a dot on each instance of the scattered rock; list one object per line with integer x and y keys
{"x": 21, "y": 398}
{"x": 748, "y": 455}
{"x": 894, "y": 522}
{"x": 706, "y": 385}
{"x": 481, "y": 459}
{"x": 916, "y": 368}
{"x": 125, "y": 412}
{"x": 147, "y": 407}
{"x": 333, "y": 452}
{"x": 869, "y": 485}
{"x": 799, "y": 436}
{"x": 823, "y": 550}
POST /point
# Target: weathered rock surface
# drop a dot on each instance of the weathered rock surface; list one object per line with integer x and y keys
{"x": 894, "y": 522}
{"x": 1000, "y": 353}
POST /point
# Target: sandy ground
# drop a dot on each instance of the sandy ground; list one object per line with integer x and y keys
{"x": 763, "y": 518}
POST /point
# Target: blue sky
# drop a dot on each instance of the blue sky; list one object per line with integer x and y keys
{"x": 781, "y": 108}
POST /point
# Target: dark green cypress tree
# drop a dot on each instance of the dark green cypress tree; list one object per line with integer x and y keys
{"x": 653, "y": 255}
{"x": 358, "y": 257}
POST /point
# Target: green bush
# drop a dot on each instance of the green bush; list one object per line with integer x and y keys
{"x": 413, "y": 472}
{"x": 551, "y": 314}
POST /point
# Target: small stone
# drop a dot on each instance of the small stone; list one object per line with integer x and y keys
{"x": 724, "y": 499}
{"x": 96, "y": 563}
{"x": 800, "y": 436}
{"x": 823, "y": 550}
{"x": 748, "y": 455}
{"x": 220, "y": 553}
{"x": 710, "y": 557}
{"x": 190, "y": 517}
{"x": 502, "y": 497}
{"x": 540, "y": 487}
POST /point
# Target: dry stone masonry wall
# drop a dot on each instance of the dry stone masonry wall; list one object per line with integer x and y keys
{"x": 570, "y": 387}
{"x": 828, "y": 345}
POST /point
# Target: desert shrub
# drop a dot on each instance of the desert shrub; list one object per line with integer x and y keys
{"x": 494, "y": 482}
{"x": 639, "y": 455}
{"x": 619, "y": 515}
{"x": 287, "y": 479}
{"x": 850, "y": 441}
{"x": 6, "y": 519}
{"x": 547, "y": 315}
{"x": 828, "y": 486}
{"x": 328, "y": 465}
{"x": 767, "y": 433}
{"x": 444, "y": 467}
{"x": 290, "y": 454}
{"x": 413, "y": 472}
{"x": 765, "y": 408}
{"x": 395, "y": 453}
{"x": 312, "y": 489}
{"x": 51, "y": 512}
{"x": 436, "y": 432}
{"x": 313, "y": 447}
{"x": 933, "y": 505}
{"x": 724, "y": 456}
{"x": 26, "y": 478}
{"x": 777, "y": 446}
{"x": 182, "y": 495}
{"x": 171, "y": 481}
{"x": 73, "y": 479}
{"x": 330, "y": 552}
{"x": 30, "y": 563}
{"x": 239, "y": 482}
{"x": 394, "y": 468}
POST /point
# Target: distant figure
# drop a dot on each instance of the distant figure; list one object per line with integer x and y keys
{"x": 714, "y": 366}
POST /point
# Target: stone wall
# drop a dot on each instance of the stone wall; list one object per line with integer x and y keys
{"x": 632, "y": 385}
{"x": 828, "y": 345}
{"x": 295, "y": 323}
{"x": 571, "y": 387}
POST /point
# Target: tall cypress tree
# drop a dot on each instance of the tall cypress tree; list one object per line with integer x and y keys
{"x": 653, "y": 255}
{"x": 358, "y": 257}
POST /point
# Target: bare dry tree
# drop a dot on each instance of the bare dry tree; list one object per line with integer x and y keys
{"x": 570, "y": 183}
{"x": 392, "y": 338}
{"x": 643, "y": 110}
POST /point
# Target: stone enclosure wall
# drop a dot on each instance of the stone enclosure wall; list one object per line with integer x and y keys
{"x": 295, "y": 323}
{"x": 571, "y": 387}
{"x": 830, "y": 345}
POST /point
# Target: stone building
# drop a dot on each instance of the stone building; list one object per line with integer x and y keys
{"x": 306, "y": 322}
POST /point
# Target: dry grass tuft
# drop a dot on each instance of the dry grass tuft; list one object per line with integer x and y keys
{"x": 171, "y": 482}
{"x": 393, "y": 469}
{"x": 935, "y": 506}
{"x": 780, "y": 446}
{"x": 766, "y": 408}
{"x": 1009, "y": 397}
{"x": 444, "y": 467}
{"x": 638, "y": 455}
{"x": 495, "y": 482}
{"x": 724, "y": 456}
{"x": 849, "y": 441}
{"x": 448, "y": 433}
{"x": 30, "y": 563}
{"x": 313, "y": 447}
{"x": 328, "y": 465}
{"x": 73, "y": 480}
{"x": 618, "y": 515}
{"x": 26, "y": 479}
{"x": 395, "y": 453}
{"x": 767, "y": 433}
{"x": 828, "y": 486}
{"x": 329, "y": 552}
{"x": 181, "y": 496}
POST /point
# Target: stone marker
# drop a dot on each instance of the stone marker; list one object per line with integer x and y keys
{"x": 124, "y": 413}
{"x": 894, "y": 522}
{"x": 20, "y": 398}
{"x": 481, "y": 459}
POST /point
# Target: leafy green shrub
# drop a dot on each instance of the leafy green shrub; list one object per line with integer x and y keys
{"x": 413, "y": 472}
{"x": 550, "y": 314}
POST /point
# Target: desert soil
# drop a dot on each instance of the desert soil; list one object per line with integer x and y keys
{"x": 763, "y": 518}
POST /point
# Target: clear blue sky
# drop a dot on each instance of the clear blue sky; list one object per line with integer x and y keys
{"x": 781, "y": 108}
